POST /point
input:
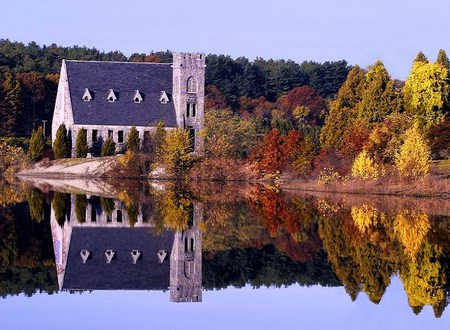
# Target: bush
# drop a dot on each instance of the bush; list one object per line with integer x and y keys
{"x": 37, "y": 145}
{"x": 108, "y": 148}
{"x": 413, "y": 159}
{"x": 62, "y": 146}
{"x": 364, "y": 167}
{"x": 81, "y": 146}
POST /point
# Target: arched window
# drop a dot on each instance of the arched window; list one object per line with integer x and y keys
{"x": 192, "y": 85}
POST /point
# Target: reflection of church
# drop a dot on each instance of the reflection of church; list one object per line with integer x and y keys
{"x": 103, "y": 252}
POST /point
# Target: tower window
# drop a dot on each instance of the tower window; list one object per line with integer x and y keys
{"x": 192, "y": 85}
{"x": 194, "y": 108}
{"x": 188, "y": 110}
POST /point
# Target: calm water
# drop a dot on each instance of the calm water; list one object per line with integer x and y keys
{"x": 165, "y": 256}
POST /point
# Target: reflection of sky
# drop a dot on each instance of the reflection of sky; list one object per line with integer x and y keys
{"x": 294, "y": 307}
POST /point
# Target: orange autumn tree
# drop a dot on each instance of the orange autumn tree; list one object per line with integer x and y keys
{"x": 277, "y": 150}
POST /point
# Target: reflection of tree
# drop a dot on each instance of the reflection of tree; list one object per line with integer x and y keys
{"x": 177, "y": 209}
{"x": 424, "y": 279}
{"x": 131, "y": 201}
{"x": 107, "y": 205}
{"x": 337, "y": 232}
{"x": 411, "y": 228}
{"x": 36, "y": 204}
{"x": 80, "y": 208}
{"x": 61, "y": 206}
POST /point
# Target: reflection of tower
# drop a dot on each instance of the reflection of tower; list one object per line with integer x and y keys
{"x": 186, "y": 262}
{"x": 61, "y": 235}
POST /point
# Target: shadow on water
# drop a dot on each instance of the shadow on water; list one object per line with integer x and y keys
{"x": 76, "y": 236}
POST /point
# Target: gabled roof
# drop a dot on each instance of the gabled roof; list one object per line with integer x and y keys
{"x": 122, "y": 273}
{"x": 124, "y": 78}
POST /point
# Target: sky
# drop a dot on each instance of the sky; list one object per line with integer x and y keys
{"x": 361, "y": 32}
{"x": 294, "y": 307}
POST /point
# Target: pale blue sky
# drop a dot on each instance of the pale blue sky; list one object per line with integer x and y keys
{"x": 294, "y": 307}
{"x": 360, "y": 32}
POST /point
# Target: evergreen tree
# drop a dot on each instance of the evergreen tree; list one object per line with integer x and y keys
{"x": 81, "y": 146}
{"x": 12, "y": 121}
{"x": 443, "y": 60}
{"x": 343, "y": 110}
{"x": 37, "y": 144}
{"x": 421, "y": 58}
{"x": 379, "y": 97}
{"x": 108, "y": 148}
{"x": 133, "y": 142}
{"x": 61, "y": 145}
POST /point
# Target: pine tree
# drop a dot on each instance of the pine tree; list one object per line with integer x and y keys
{"x": 37, "y": 145}
{"x": 61, "y": 145}
{"x": 379, "y": 97}
{"x": 108, "y": 148}
{"x": 443, "y": 60}
{"x": 81, "y": 146}
{"x": 421, "y": 58}
{"x": 343, "y": 110}
{"x": 133, "y": 142}
{"x": 12, "y": 110}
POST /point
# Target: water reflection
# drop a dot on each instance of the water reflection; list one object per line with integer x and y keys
{"x": 185, "y": 239}
{"x": 101, "y": 243}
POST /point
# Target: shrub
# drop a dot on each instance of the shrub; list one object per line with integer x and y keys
{"x": 61, "y": 145}
{"x": 37, "y": 144}
{"x": 364, "y": 167}
{"x": 108, "y": 148}
{"x": 413, "y": 158}
{"x": 81, "y": 146}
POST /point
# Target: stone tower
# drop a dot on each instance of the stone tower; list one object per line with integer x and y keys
{"x": 186, "y": 262}
{"x": 189, "y": 92}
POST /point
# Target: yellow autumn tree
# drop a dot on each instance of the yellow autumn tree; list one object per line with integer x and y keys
{"x": 413, "y": 158}
{"x": 364, "y": 167}
{"x": 426, "y": 92}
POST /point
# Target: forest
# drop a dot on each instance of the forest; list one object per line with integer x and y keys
{"x": 330, "y": 120}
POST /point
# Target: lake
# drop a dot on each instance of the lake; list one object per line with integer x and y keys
{"x": 160, "y": 255}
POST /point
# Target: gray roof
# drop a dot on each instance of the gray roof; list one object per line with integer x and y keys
{"x": 121, "y": 273}
{"x": 124, "y": 78}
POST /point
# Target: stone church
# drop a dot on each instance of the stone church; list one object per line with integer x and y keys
{"x": 108, "y": 98}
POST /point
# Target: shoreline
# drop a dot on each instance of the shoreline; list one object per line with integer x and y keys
{"x": 433, "y": 186}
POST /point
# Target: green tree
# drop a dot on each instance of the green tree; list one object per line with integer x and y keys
{"x": 413, "y": 159}
{"x": 176, "y": 152}
{"x": 61, "y": 145}
{"x": 426, "y": 93}
{"x": 343, "y": 110}
{"x": 158, "y": 139}
{"x": 12, "y": 120}
{"x": 133, "y": 142}
{"x": 37, "y": 144}
{"x": 81, "y": 146}
{"x": 108, "y": 148}
{"x": 379, "y": 97}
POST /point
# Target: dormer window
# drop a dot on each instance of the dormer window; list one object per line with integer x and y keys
{"x": 164, "y": 98}
{"x": 88, "y": 95}
{"x": 138, "y": 97}
{"x": 112, "y": 96}
{"x": 192, "y": 85}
